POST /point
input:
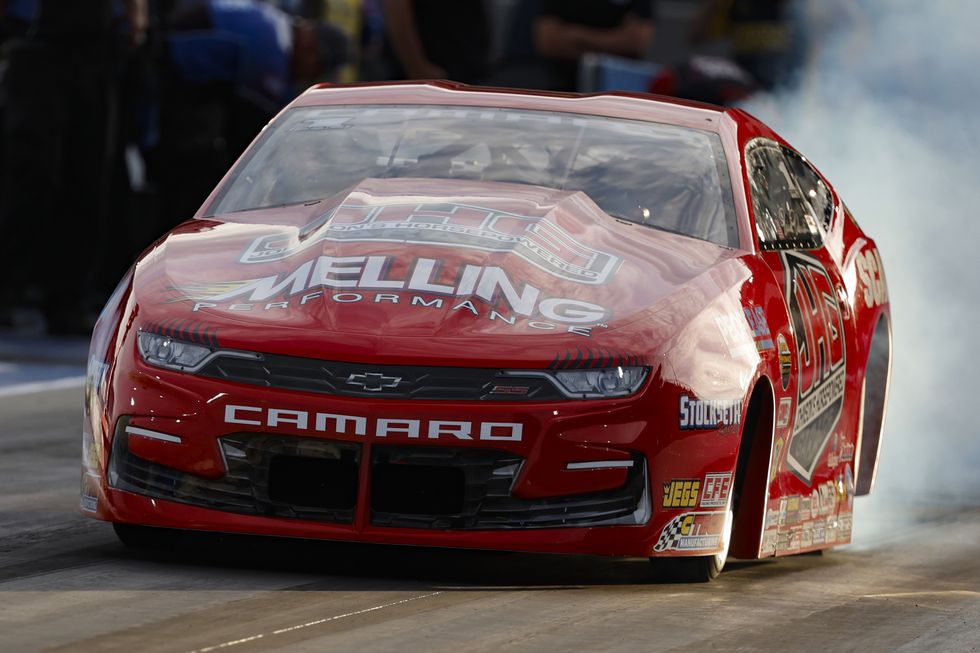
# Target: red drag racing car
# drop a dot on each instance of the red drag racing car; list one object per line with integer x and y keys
{"x": 433, "y": 314}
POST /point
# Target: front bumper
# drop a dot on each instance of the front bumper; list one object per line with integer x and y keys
{"x": 125, "y": 507}
{"x": 490, "y": 517}
{"x": 448, "y": 488}
{"x": 538, "y": 492}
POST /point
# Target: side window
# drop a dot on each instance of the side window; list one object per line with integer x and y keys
{"x": 814, "y": 189}
{"x": 783, "y": 218}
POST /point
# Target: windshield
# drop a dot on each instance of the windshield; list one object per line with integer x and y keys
{"x": 668, "y": 177}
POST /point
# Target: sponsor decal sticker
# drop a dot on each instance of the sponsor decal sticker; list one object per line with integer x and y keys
{"x": 537, "y": 240}
{"x": 844, "y": 525}
{"x": 709, "y": 413}
{"x": 833, "y": 457}
{"x": 840, "y": 451}
{"x": 819, "y": 532}
{"x": 783, "y": 542}
{"x": 795, "y": 540}
{"x": 681, "y": 494}
{"x": 736, "y": 334}
{"x": 872, "y": 276}
{"x": 784, "y": 412}
{"x": 769, "y": 541}
{"x": 693, "y": 531}
{"x": 785, "y": 360}
{"x": 831, "y": 529}
{"x": 90, "y": 503}
{"x": 772, "y": 517}
{"x": 820, "y": 352}
{"x": 777, "y": 450}
{"x": 796, "y": 523}
{"x": 806, "y": 538}
{"x": 717, "y": 487}
{"x": 849, "y": 485}
{"x": 828, "y": 498}
{"x": 760, "y": 328}
{"x": 484, "y": 292}
{"x": 89, "y": 494}
{"x": 793, "y": 510}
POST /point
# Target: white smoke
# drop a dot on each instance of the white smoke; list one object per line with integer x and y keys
{"x": 889, "y": 111}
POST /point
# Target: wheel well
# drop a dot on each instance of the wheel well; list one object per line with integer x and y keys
{"x": 874, "y": 395}
{"x": 752, "y": 472}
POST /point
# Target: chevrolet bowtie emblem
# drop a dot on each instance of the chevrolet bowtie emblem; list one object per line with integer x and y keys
{"x": 373, "y": 381}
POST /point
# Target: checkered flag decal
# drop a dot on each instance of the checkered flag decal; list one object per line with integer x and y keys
{"x": 670, "y": 536}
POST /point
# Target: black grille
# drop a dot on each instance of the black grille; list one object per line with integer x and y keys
{"x": 381, "y": 381}
{"x": 317, "y": 482}
{"x": 267, "y": 475}
{"x": 411, "y": 487}
{"x": 484, "y": 495}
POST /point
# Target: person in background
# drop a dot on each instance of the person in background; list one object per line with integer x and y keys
{"x": 362, "y": 24}
{"x": 255, "y": 46}
{"x": 229, "y": 66}
{"x": 347, "y": 16}
{"x": 765, "y": 39}
{"x": 16, "y": 18}
{"x": 311, "y": 9}
{"x": 564, "y": 30}
{"x": 371, "y": 66}
{"x": 59, "y": 128}
{"x": 775, "y": 40}
{"x": 437, "y": 39}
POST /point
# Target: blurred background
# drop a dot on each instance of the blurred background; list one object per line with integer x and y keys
{"x": 119, "y": 116}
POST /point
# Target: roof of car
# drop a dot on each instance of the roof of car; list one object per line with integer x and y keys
{"x": 616, "y": 104}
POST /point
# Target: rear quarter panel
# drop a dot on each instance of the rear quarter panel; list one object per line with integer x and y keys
{"x": 817, "y": 512}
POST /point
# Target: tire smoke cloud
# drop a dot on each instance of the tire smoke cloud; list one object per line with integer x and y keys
{"x": 887, "y": 109}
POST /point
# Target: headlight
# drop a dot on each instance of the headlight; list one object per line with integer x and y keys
{"x": 603, "y": 383}
{"x": 606, "y": 382}
{"x": 164, "y": 351}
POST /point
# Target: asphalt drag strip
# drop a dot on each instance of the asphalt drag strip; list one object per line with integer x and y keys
{"x": 66, "y": 584}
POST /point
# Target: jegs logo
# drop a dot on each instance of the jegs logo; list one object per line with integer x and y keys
{"x": 819, "y": 330}
{"x": 535, "y": 239}
{"x": 681, "y": 494}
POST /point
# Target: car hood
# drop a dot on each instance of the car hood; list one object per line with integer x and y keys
{"x": 430, "y": 270}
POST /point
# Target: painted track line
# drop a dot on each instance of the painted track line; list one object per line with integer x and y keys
{"x": 289, "y": 629}
{"x": 42, "y": 386}
{"x": 937, "y": 593}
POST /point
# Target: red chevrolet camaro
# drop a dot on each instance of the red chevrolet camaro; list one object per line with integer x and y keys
{"x": 442, "y": 315}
